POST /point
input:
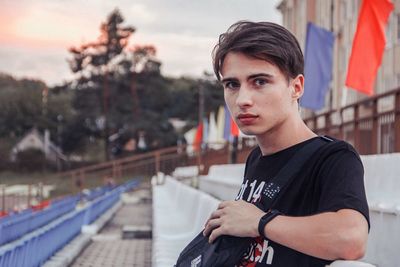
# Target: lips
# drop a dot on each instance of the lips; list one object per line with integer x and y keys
{"x": 247, "y": 119}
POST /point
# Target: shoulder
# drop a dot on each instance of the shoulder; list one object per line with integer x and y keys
{"x": 340, "y": 179}
{"x": 334, "y": 161}
{"x": 336, "y": 149}
{"x": 338, "y": 160}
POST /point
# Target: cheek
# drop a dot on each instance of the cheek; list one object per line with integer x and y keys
{"x": 229, "y": 100}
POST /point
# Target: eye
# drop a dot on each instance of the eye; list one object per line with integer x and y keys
{"x": 260, "y": 82}
{"x": 231, "y": 85}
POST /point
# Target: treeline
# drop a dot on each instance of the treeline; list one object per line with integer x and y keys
{"x": 75, "y": 116}
{"x": 119, "y": 95}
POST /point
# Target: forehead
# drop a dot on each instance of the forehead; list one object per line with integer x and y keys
{"x": 237, "y": 64}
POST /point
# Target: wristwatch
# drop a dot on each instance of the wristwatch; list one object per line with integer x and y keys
{"x": 271, "y": 214}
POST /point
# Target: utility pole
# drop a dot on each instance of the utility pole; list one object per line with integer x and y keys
{"x": 135, "y": 99}
{"x": 60, "y": 119}
{"x": 201, "y": 115}
{"x": 106, "y": 96}
{"x": 45, "y": 93}
{"x": 233, "y": 157}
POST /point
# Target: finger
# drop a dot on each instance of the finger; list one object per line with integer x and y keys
{"x": 215, "y": 214}
{"x": 217, "y": 232}
{"x": 211, "y": 225}
{"x": 223, "y": 204}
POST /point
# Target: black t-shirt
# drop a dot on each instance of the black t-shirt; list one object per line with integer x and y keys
{"x": 332, "y": 179}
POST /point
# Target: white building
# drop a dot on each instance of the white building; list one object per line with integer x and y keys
{"x": 34, "y": 140}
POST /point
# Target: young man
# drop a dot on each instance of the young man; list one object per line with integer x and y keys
{"x": 323, "y": 213}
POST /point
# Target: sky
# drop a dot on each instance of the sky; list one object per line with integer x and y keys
{"x": 35, "y": 34}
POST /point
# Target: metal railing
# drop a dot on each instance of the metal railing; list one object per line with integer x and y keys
{"x": 163, "y": 160}
{"x": 371, "y": 125}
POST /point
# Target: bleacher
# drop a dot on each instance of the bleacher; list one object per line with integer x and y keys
{"x": 179, "y": 213}
{"x": 176, "y": 209}
{"x": 223, "y": 181}
{"x": 32, "y": 237}
{"x": 382, "y": 184}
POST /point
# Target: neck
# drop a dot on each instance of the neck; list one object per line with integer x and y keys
{"x": 290, "y": 132}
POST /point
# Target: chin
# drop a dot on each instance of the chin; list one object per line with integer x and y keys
{"x": 255, "y": 132}
{"x": 247, "y": 131}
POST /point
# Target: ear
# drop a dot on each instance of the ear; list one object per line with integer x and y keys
{"x": 297, "y": 85}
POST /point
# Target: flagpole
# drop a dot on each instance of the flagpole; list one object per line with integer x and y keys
{"x": 332, "y": 30}
{"x": 201, "y": 112}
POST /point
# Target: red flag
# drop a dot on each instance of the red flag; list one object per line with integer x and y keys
{"x": 198, "y": 138}
{"x": 368, "y": 45}
{"x": 234, "y": 128}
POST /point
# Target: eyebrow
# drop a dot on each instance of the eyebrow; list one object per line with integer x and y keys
{"x": 229, "y": 79}
{"x": 260, "y": 75}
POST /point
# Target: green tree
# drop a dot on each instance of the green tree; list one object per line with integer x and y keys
{"x": 184, "y": 94}
{"x": 27, "y": 103}
{"x": 97, "y": 65}
{"x": 21, "y": 105}
{"x": 120, "y": 89}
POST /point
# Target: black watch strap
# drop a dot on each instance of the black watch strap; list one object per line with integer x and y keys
{"x": 269, "y": 216}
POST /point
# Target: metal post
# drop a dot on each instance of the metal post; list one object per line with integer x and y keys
{"x": 397, "y": 123}
{"x": 328, "y": 123}
{"x": 341, "y": 130}
{"x": 29, "y": 194}
{"x": 3, "y": 190}
{"x": 375, "y": 125}
{"x": 157, "y": 161}
{"x": 233, "y": 158}
{"x": 356, "y": 130}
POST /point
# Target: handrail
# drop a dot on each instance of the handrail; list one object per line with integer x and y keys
{"x": 368, "y": 129}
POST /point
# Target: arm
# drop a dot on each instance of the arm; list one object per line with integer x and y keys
{"x": 330, "y": 235}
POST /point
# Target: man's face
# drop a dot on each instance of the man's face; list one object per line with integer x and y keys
{"x": 257, "y": 93}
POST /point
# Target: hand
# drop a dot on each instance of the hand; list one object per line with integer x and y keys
{"x": 235, "y": 218}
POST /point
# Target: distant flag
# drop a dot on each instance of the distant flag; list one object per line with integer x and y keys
{"x": 368, "y": 45}
{"x": 231, "y": 128}
{"x": 227, "y": 126}
{"x": 318, "y": 66}
{"x": 212, "y": 130}
{"x": 190, "y": 138}
{"x": 198, "y": 138}
{"x": 220, "y": 124}
{"x": 234, "y": 129}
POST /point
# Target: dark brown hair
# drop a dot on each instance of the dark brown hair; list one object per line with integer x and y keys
{"x": 262, "y": 40}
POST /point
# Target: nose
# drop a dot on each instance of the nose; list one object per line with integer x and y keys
{"x": 244, "y": 97}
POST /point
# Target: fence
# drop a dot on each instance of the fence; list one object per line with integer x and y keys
{"x": 372, "y": 125}
{"x": 163, "y": 160}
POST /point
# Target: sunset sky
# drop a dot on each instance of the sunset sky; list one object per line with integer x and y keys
{"x": 35, "y": 34}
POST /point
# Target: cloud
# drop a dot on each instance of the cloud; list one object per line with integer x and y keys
{"x": 142, "y": 13}
{"x": 49, "y": 65}
{"x": 182, "y": 54}
{"x": 35, "y": 35}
